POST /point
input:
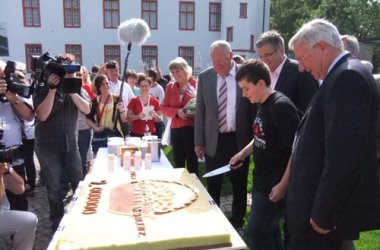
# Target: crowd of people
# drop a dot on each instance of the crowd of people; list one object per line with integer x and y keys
{"x": 310, "y": 123}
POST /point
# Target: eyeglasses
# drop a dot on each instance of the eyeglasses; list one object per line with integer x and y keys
{"x": 268, "y": 54}
{"x": 301, "y": 60}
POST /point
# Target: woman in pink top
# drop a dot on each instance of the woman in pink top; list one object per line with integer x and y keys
{"x": 177, "y": 96}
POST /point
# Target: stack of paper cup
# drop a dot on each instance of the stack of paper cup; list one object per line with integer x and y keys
{"x": 111, "y": 162}
{"x": 126, "y": 162}
{"x": 148, "y": 161}
{"x": 137, "y": 160}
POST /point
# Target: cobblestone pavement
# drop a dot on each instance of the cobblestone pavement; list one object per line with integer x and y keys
{"x": 39, "y": 205}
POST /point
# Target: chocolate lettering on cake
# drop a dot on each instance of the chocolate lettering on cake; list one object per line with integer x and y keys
{"x": 93, "y": 197}
{"x": 137, "y": 215}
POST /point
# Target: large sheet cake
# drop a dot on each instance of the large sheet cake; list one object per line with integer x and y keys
{"x": 157, "y": 209}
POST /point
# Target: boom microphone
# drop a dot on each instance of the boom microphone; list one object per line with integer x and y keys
{"x": 130, "y": 31}
{"x": 134, "y": 31}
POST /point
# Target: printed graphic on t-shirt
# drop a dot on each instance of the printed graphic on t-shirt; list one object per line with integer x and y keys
{"x": 258, "y": 133}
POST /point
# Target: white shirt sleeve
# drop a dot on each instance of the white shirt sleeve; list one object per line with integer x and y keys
{"x": 158, "y": 92}
{"x": 127, "y": 95}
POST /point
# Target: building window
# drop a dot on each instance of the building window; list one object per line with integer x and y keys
{"x": 112, "y": 52}
{"x": 111, "y": 13}
{"x": 31, "y": 50}
{"x": 149, "y": 56}
{"x": 149, "y": 13}
{"x": 215, "y": 16}
{"x": 187, "y": 53}
{"x": 71, "y": 10}
{"x": 31, "y": 11}
{"x": 252, "y": 43}
{"x": 230, "y": 34}
{"x": 76, "y": 50}
{"x": 186, "y": 15}
{"x": 243, "y": 10}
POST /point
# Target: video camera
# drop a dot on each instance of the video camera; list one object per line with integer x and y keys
{"x": 14, "y": 84}
{"x": 45, "y": 65}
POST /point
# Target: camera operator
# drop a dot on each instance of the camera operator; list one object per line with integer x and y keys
{"x": 22, "y": 225}
{"x": 14, "y": 110}
{"x": 56, "y": 142}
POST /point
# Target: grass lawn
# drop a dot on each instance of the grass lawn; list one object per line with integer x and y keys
{"x": 368, "y": 240}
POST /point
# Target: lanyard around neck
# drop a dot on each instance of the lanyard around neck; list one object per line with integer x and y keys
{"x": 142, "y": 103}
{"x": 100, "y": 114}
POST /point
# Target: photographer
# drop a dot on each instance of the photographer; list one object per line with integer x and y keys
{"x": 55, "y": 136}
{"x": 13, "y": 110}
{"x": 22, "y": 225}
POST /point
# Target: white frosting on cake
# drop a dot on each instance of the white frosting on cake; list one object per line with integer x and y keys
{"x": 196, "y": 224}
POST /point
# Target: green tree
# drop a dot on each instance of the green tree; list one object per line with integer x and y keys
{"x": 355, "y": 17}
{"x": 287, "y": 16}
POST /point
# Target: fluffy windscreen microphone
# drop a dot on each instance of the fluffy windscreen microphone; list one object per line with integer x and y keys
{"x": 134, "y": 31}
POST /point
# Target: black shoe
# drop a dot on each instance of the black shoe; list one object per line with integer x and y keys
{"x": 240, "y": 231}
{"x": 236, "y": 224}
{"x": 39, "y": 183}
{"x": 30, "y": 193}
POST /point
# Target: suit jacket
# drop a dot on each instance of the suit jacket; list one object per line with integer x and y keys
{"x": 333, "y": 175}
{"x": 298, "y": 87}
{"x": 206, "y": 116}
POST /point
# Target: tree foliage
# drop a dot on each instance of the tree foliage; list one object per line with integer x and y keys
{"x": 287, "y": 16}
{"x": 354, "y": 17}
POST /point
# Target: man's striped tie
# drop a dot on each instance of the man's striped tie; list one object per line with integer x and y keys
{"x": 222, "y": 106}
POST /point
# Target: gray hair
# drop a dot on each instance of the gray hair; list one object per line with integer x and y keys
{"x": 221, "y": 44}
{"x": 315, "y": 31}
{"x": 180, "y": 63}
{"x": 352, "y": 44}
{"x": 271, "y": 37}
{"x": 368, "y": 65}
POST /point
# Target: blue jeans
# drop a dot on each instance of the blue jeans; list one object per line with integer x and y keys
{"x": 263, "y": 231}
{"x": 58, "y": 168}
{"x": 84, "y": 141}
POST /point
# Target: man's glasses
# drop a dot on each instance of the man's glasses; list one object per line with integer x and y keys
{"x": 301, "y": 60}
{"x": 268, "y": 54}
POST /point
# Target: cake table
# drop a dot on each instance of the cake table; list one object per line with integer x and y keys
{"x": 161, "y": 208}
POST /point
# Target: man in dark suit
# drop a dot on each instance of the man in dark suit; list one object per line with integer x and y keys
{"x": 160, "y": 80}
{"x": 333, "y": 191}
{"x": 223, "y": 126}
{"x": 299, "y": 87}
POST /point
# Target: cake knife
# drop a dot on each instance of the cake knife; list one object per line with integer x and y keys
{"x": 221, "y": 170}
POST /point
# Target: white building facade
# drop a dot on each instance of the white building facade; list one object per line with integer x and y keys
{"x": 88, "y": 29}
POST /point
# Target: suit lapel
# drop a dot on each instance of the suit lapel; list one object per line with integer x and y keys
{"x": 212, "y": 88}
{"x": 239, "y": 93}
{"x": 282, "y": 77}
{"x": 341, "y": 61}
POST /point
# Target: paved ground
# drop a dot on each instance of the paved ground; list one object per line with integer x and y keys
{"x": 38, "y": 205}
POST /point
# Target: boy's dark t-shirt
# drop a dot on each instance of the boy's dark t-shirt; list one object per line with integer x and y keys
{"x": 274, "y": 129}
